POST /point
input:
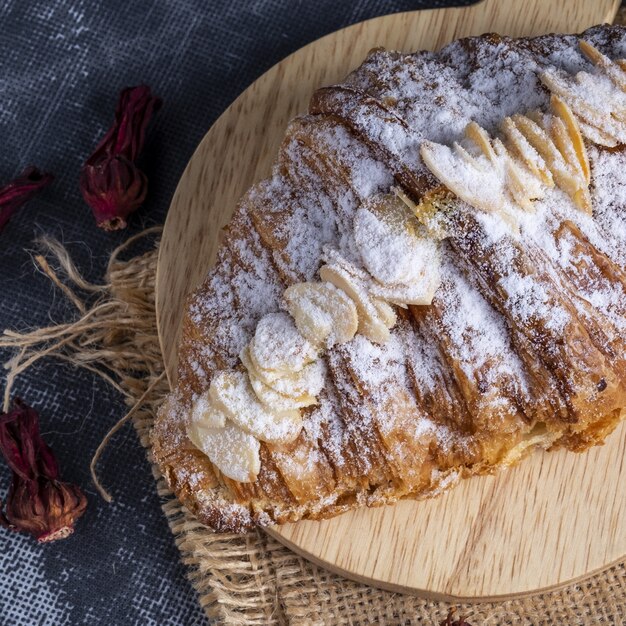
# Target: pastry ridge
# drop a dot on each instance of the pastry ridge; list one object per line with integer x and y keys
{"x": 522, "y": 347}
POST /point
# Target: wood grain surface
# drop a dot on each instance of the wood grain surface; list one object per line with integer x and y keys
{"x": 555, "y": 518}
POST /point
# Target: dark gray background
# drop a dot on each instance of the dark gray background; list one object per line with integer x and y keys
{"x": 61, "y": 66}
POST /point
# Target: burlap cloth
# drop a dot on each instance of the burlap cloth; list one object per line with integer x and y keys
{"x": 250, "y": 579}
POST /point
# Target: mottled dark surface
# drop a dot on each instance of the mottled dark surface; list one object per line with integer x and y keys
{"x": 61, "y": 66}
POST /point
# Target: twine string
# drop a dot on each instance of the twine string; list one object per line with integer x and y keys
{"x": 102, "y": 340}
{"x": 70, "y": 294}
{"x": 107, "y": 438}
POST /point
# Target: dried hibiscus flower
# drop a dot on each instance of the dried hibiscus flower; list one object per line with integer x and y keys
{"x": 110, "y": 181}
{"x": 19, "y": 191}
{"x": 38, "y": 502}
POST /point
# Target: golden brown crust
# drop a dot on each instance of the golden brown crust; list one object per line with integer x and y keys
{"x": 454, "y": 393}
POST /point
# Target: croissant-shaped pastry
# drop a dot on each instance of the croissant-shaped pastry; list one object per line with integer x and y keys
{"x": 431, "y": 284}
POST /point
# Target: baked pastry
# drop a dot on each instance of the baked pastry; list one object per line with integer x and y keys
{"x": 430, "y": 285}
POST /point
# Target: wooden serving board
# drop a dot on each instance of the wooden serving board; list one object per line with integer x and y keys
{"x": 555, "y": 518}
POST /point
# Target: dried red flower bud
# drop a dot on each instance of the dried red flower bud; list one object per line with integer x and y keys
{"x": 110, "y": 181}
{"x": 113, "y": 189}
{"x": 19, "y": 191}
{"x": 38, "y": 502}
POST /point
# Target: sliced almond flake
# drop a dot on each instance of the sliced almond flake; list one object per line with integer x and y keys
{"x": 404, "y": 294}
{"x": 480, "y": 137}
{"x": 278, "y": 345}
{"x": 475, "y": 162}
{"x": 537, "y": 116}
{"x": 582, "y": 199}
{"x": 539, "y": 139}
{"x": 588, "y": 114}
{"x": 234, "y": 452}
{"x": 308, "y": 381}
{"x": 531, "y": 158}
{"x": 607, "y": 100}
{"x": 205, "y": 413}
{"x": 393, "y": 249}
{"x": 334, "y": 257}
{"x": 568, "y": 180}
{"x": 371, "y": 323}
{"x": 277, "y": 401}
{"x": 611, "y": 121}
{"x": 323, "y": 314}
{"x": 386, "y": 312}
{"x": 231, "y": 391}
{"x": 561, "y": 110}
{"x": 482, "y": 189}
{"x": 409, "y": 203}
{"x": 534, "y": 188}
{"x": 523, "y": 188}
{"x": 597, "y": 136}
{"x": 563, "y": 142}
{"x": 303, "y": 302}
{"x": 614, "y": 71}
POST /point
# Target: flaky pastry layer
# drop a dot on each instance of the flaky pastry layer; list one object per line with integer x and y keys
{"x": 522, "y": 348}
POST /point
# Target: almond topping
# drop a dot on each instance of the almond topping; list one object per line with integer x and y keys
{"x": 531, "y": 158}
{"x": 561, "y": 109}
{"x": 206, "y": 414}
{"x": 563, "y": 142}
{"x": 324, "y": 314}
{"x": 308, "y": 381}
{"x": 615, "y": 71}
{"x": 234, "y": 452}
{"x": 386, "y": 313}
{"x": 480, "y": 137}
{"x": 278, "y": 346}
{"x": 599, "y": 117}
{"x": 232, "y": 393}
{"x": 566, "y": 177}
{"x": 595, "y": 135}
{"x": 473, "y": 161}
{"x": 522, "y": 184}
{"x": 476, "y": 184}
{"x": 401, "y": 260}
{"x": 277, "y": 401}
{"x": 370, "y": 322}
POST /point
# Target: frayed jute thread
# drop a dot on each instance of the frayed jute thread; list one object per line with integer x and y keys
{"x": 251, "y": 578}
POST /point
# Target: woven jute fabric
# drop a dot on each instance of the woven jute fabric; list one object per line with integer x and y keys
{"x": 251, "y": 578}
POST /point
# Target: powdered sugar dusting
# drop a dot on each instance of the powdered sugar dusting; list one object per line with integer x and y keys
{"x": 278, "y": 345}
{"x": 607, "y": 230}
{"x": 448, "y": 366}
{"x": 478, "y": 337}
{"x": 394, "y": 256}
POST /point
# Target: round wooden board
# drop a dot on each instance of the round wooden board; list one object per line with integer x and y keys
{"x": 555, "y": 518}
